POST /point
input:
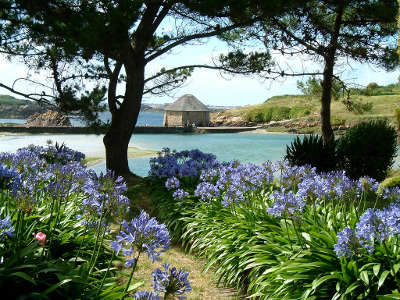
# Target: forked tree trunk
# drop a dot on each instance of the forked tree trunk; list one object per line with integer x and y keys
{"x": 124, "y": 120}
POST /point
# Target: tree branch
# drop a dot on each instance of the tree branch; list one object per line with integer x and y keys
{"x": 197, "y": 36}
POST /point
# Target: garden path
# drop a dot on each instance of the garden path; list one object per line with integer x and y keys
{"x": 203, "y": 282}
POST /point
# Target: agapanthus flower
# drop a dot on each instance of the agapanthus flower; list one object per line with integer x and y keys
{"x": 142, "y": 234}
{"x": 180, "y": 164}
{"x": 206, "y": 190}
{"x": 6, "y": 228}
{"x": 105, "y": 195}
{"x": 9, "y": 178}
{"x": 171, "y": 281}
{"x": 172, "y": 183}
{"x": 180, "y": 194}
{"x": 285, "y": 203}
{"x": 347, "y": 243}
{"x": 146, "y": 295}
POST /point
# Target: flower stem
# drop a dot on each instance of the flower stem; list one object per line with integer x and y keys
{"x": 130, "y": 277}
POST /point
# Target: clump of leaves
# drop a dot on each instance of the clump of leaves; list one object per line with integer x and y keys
{"x": 368, "y": 149}
{"x": 313, "y": 150}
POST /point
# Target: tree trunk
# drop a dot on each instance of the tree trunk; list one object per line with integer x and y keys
{"x": 124, "y": 118}
{"x": 327, "y": 131}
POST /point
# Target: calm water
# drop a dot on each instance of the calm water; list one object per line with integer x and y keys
{"x": 145, "y": 118}
{"x": 15, "y": 121}
{"x": 255, "y": 148}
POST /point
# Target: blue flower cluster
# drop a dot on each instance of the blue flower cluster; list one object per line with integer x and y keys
{"x": 180, "y": 164}
{"x": 299, "y": 185}
{"x": 234, "y": 181}
{"x": 37, "y": 176}
{"x": 57, "y": 172}
{"x": 180, "y": 169}
{"x": 142, "y": 234}
{"x": 171, "y": 281}
{"x": 105, "y": 195}
{"x": 146, "y": 295}
{"x": 6, "y": 228}
{"x": 374, "y": 226}
{"x": 9, "y": 178}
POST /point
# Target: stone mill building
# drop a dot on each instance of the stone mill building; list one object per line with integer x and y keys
{"x": 185, "y": 111}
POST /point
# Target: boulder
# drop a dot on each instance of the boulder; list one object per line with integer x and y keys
{"x": 48, "y": 119}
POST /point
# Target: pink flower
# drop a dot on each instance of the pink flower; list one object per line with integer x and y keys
{"x": 41, "y": 237}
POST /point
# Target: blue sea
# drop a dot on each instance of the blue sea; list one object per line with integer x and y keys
{"x": 145, "y": 118}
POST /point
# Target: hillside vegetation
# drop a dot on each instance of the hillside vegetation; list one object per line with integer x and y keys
{"x": 10, "y": 100}
{"x": 370, "y": 103}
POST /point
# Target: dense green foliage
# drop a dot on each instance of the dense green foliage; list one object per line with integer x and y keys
{"x": 368, "y": 149}
{"x": 277, "y": 113}
{"x": 57, "y": 222}
{"x": 312, "y": 88}
{"x": 273, "y": 249}
{"x": 312, "y": 150}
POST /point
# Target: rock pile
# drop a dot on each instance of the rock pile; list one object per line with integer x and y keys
{"x": 48, "y": 119}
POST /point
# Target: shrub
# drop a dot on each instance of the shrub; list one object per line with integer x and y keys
{"x": 280, "y": 113}
{"x": 372, "y": 86}
{"x": 312, "y": 150}
{"x": 368, "y": 149}
{"x": 299, "y": 111}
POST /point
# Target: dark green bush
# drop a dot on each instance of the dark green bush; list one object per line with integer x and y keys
{"x": 312, "y": 150}
{"x": 368, "y": 149}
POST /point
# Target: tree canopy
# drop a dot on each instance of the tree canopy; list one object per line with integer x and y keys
{"x": 330, "y": 33}
{"x": 111, "y": 43}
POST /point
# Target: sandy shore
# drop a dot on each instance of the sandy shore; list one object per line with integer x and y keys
{"x": 95, "y": 158}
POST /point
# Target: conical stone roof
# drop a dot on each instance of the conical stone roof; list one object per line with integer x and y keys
{"x": 187, "y": 102}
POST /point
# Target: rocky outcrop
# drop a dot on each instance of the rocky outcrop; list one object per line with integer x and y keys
{"x": 221, "y": 119}
{"x": 48, "y": 119}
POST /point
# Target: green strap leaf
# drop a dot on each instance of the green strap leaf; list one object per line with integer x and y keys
{"x": 364, "y": 277}
{"x": 25, "y": 276}
{"x": 382, "y": 278}
{"x": 56, "y": 286}
{"x": 376, "y": 269}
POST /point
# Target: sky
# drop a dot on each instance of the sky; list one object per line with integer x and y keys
{"x": 213, "y": 89}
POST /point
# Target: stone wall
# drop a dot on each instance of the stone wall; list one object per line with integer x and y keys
{"x": 172, "y": 118}
{"x": 200, "y": 118}
{"x": 186, "y": 118}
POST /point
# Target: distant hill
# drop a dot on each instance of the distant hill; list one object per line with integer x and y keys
{"x": 13, "y": 108}
{"x": 368, "y": 104}
{"x": 10, "y": 100}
